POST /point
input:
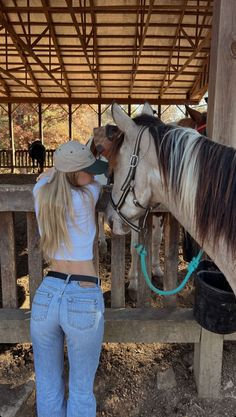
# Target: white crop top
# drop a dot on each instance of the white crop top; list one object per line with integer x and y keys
{"x": 83, "y": 229}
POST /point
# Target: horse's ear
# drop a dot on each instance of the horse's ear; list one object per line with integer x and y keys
{"x": 147, "y": 109}
{"x": 194, "y": 114}
{"x": 121, "y": 119}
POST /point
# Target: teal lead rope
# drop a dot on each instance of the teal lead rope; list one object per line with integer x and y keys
{"x": 191, "y": 268}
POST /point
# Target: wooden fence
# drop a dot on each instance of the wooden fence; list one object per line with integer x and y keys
{"x": 143, "y": 324}
{"x": 21, "y": 159}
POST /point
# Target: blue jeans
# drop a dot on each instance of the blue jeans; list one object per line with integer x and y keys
{"x": 65, "y": 310}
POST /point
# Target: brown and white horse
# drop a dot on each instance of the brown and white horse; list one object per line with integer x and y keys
{"x": 194, "y": 177}
{"x": 103, "y": 138}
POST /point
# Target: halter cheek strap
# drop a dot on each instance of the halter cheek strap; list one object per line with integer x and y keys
{"x": 128, "y": 186}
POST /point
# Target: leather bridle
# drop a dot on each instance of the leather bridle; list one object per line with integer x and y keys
{"x": 129, "y": 187}
{"x": 201, "y": 128}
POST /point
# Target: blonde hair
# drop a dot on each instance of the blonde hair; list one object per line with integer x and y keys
{"x": 55, "y": 205}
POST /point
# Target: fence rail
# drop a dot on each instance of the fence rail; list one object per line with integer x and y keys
{"x": 144, "y": 324}
{"x": 21, "y": 159}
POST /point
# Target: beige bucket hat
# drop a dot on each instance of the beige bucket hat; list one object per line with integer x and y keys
{"x": 74, "y": 156}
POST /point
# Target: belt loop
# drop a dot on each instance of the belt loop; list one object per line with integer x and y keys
{"x": 67, "y": 279}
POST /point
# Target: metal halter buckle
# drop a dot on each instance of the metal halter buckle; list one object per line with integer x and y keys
{"x": 133, "y": 161}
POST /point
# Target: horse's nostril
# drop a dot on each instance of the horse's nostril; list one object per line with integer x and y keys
{"x": 110, "y": 223}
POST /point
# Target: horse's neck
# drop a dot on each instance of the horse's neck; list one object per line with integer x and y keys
{"x": 219, "y": 254}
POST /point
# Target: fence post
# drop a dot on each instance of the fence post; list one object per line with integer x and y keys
{"x": 208, "y": 355}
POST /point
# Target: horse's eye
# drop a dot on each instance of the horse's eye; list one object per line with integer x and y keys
{"x": 100, "y": 148}
{"x": 110, "y": 130}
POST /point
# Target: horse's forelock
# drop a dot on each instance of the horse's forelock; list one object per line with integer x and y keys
{"x": 143, "y": 120}
{"x": 115, "y": 145}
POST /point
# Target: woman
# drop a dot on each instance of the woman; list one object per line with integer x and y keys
{"x": 68, "y": 305}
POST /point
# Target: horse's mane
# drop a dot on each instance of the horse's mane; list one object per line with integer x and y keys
{"x": 116, "y": 143}
{"x": 201, "y": 176}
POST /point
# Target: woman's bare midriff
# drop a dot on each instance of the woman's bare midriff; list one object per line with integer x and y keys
{"x": 75, "y": 268}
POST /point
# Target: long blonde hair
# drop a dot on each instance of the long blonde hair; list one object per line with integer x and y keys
{"x": 55, "y": 205}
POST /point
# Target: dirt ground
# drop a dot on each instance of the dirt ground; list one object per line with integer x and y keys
{"x": 128, "y": 378}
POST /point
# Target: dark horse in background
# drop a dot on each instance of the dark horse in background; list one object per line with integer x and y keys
{"x": 37, "y": 153}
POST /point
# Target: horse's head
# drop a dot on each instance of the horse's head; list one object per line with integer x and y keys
{"x": 102, "y": 140}
{"x": 197, "y": 120}
{"x": 132, "y": 158}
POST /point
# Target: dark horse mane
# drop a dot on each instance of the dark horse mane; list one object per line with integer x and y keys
{"x": 213, "y": 176}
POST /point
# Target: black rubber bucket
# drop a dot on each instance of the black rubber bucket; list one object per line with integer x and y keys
{"x": 215, "y": 303}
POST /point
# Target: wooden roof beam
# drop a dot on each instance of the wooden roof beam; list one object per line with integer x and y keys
{"x": 22, "y": 47}
{"x": 21, "y": 52}
{"x": 70, "y": 9}
{"x": 127, "y": 71}
{"x": 42, "y": 34}
{"x": 21, "y": 24}
{"x": 121, "y": 48}
{"x": 108, "y": 56}
{"x": 92, "y": 100}
{"x": 158, "y": 9}
{"x": 177, "y": 32}
{"x": 205, "y": 42}
{"x": 201, "y": 83}
{"x": 199, "y": 27}
{"x": 137, "y": 60}
{"x": 9, "y": 75}
{"x": 117, "y": 36}
{"x": 117, "y": 24}
{"x": 137, "y": 39}
{"x": 6, "y": 90}
{"x": 95, "y": 44}
{"x": 56, "y": 46}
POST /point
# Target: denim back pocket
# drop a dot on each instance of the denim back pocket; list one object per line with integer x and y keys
{"x": 82, "y": 312}
{"x": 40, "y": 305}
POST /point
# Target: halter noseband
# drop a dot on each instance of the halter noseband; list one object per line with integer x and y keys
{"x": 128, "y": 186}
{"x": 200, "y": 128}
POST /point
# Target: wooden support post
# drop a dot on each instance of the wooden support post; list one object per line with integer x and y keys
{"x": 70, "y": 122}
{"x": 171, "y": 233}
{"x": 35, "y": 261}
{"x": 221, "y": 120}
{"x": 208, "y": 364}
{"x": 40, "y": 114}
{"x": 144, "y": 292}
{"x": 11, "y": 136}
{"x": 99, "y": 115}
{"x": 129, "y": 110}
{"x": 117, "y": 271}
{"x": 8, "y": 260}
